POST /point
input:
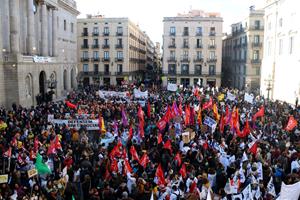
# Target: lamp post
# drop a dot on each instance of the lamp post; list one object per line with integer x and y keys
{"x": 269, "y": 86}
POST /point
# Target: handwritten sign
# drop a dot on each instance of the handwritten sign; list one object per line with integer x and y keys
{"x": 4, "y": 178}
{"x": 32, "y": 173}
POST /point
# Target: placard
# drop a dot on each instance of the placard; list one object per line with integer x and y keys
{"x": 186, "y": 137}
{"x": 172, "y": 87}
{"x": 89, "y": 124}
{"x": 32, "y": 173}
{"x": 249, "y": 98}
{"x": 210, "y": 123}
{"x": 4, "y": 178}
{"x": 139, "y": 94}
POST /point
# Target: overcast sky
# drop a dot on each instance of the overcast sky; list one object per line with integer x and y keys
{"x": 149, "y": 13}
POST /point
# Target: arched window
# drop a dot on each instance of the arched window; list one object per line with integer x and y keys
{"x": 28, "y": 86}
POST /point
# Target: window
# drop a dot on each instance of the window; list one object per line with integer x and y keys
{"x": 280, "y": 46}
{"x": 212, "y": 69}
{"x": 119, "y": 29}
{"x": 256, "y": 55}
{"x": 257, "y": 71}
{"x": 198, "y": 69}
{"x": 119, "y": 41}
{"x": 244, "y": 69}
{"x": 85, "y": 31}
{"x": 212, "y": 31}
{"x": 85, "y": 67}
{"x": 185, "y": 68}
{"x": 119, "y": 68}
{"x": 106, "y": 54}
{"x": 106, "y": 30}
{"x": 172, "y": 30}
{"x": 95, "y": 42}
{"x": 199, "y": 54}
{"x": 212, "y": 55}
{"x": 212, "y": 42}
{"x": 172, "y": 54}
{"x": 291, "y": 44}
{"x": 96, "y": 68}
{"x": 72, "y": 27}
{"x": 199, "y": 43}
{"x": 245, "y": 55}
{"x": 85, "y": 54}
{"x": 186, "y": 31}
{"x": 95, "y": 54}
{"x": 172, "y": 41}
{"x": 106, "y": 42}
{"x": 106, "y": 68}
{"x": 85, "y": 42}
{"x": 185, "y": 54}
{"x": 172, "y": 68}
{"x": 120, "y": 54}
{"x": 65, "y": 25}
{"x": 256, "y": 24}
{"x": 95, "y": 30}
{"x": 199, "y": 31}
{"x": 185, "y": 43}
{"x": 256, "y": 39}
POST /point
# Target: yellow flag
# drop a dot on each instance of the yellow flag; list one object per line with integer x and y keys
{"x": 103, "y": 130}
{"x": 215, "y": 110}
{"x": 221, "y": 97}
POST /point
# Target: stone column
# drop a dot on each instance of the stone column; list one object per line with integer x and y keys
{"x": 30, "y": 27}
{"x": 5, "y": 21}
{"x": 14, "y": 25}
{"x": 50, "y": 29}
{"x": 54, "y": 32}
{"x": 44, "y": 30}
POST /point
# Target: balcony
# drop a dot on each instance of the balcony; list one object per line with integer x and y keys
{"x": 119, "y": 33}
{"x": 105, "y": 33}
{"x": 257, "y": 44}
{"x": 95, "y": 33}
{"x": 211, "y": 73}
{"x": 199, "y": 46}
{"x": 212, "y": 46}
{"x": 172, "y": 34}
{"x": 185, "y": 72}
{"x": 119, "y": 73}
{"x": 199, "y": 34}
{"x": 171, "y": 59}
{"x": 212, "y": 33}
{"x": 171, "y": 72}
{"x": 119, "y": 46}
{"x": 198, "y": 60}
{"x": 185, "y": 33}
{"x": 172, "y": 46}
{"x": 185, "y": 46}
{"x": 107, "y": 73}
{"x": 105, "y": 46}
{"x": 106, "y": 59}
{"x": 185, "y": 59}
{"x": 85, "y": 46}
{"x": 256, "y": 28}
{"x": 85, "y": 34}
{"x": 256, "y": 61}
{"x": 212, "y": 60}
{"x": 197, "y": 72}
{"x": 95, "y": 46}
{"x": 95, "y": 59}
{"x": 119, "y": 59}
{"x": 84, "y": 59}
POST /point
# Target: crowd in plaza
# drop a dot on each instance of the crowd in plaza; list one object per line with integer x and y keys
{"x": 192, "y": 143}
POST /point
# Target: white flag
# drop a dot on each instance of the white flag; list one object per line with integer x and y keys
{"x": 209, "y": 194}
{"x": 152, "y": 196}
{"x": 271, "y": 188}
{"x": 247, "y": 193}
{"x": 290, "y": 192}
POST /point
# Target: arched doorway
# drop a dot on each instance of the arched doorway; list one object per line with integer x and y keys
{"x": 65, "y": 79}
{"x": 72, "y": 78}
{"x": 42, "y": 82}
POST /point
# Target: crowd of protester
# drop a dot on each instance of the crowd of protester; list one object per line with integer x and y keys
{"x": 139, "y": 151}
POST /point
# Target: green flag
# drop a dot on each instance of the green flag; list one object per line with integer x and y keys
{"x": 41, "y": 167}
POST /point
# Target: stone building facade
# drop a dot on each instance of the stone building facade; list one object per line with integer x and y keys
{"x": 192, "y": 49}
{"x": 38, "y": 49}
{"x": 242, "y": 52}
{"x": 110, "y": 51}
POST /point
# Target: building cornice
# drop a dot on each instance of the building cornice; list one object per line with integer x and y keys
{"x": 66, "y": 6}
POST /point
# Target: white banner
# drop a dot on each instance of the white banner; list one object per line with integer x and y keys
{"x": 90, "y": 124}
{"x": 230, "y": 96}
{"x": 211, "y": 123}
{"x": 107, "y": 94}
{"x": 40, "y": 59}
{"x": 139, "y": 94}
{"x": 289, "y": 192}
{"x": 172, "y": 87}
{"x": 249, "y": 98}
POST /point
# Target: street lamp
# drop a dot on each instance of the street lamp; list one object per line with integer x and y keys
{"x": 269, "y": 86}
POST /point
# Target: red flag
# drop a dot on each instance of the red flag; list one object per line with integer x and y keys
{"x": 178, "y": 159}
{"x": 208, "y": 104}
{"x": 70, "y": 105}
{"x": 141, "y": 128}
{"x": 149, "y": 109}
{"x": 193, "y": 187}
{"x": 57, "y": 143}
{"x": 159, "y": 138}
{"x": 160, "y": 175}
{"x": 51, "y": 148}
{"x": 192, "y": 116}
{"x": 259, "y": 113}
{"x": 222, "y": 124}
{"x": 168, "y": 145}
{"x": 161, "y": 124}
{"x": 107, "y": 175}
{"x": 205, "y": 145}
{"x": 180, "y": 109}
{"x": 292, "y": 123}
{"x": 124, "y": 154}
{"x": 127, "y": 167}
{"x": 182, "y": 171}
{"x": 134, "y": 153}
{"x": 144, "y": 160}
{"x": 36, "y": 144}
{"x": 114, "y": 166}
{"x": 7, "y": 153}
{"x": 141, "y": 114}
{"x": 253, "y": 147}
{"x": 168, "y": 115}
{"x": 115, "y": 152}
{"x": 187, "y": 115}
{"x": 246, "y": 131}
